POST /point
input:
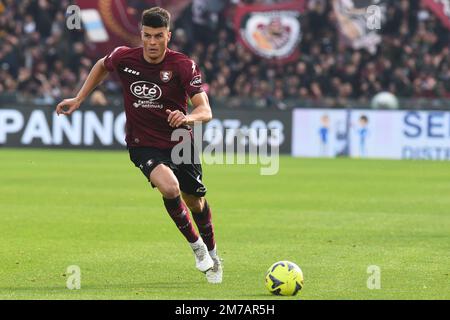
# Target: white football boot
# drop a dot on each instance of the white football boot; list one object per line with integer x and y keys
{"x": 214, "y": 275}
{"x": 203, "y": 261}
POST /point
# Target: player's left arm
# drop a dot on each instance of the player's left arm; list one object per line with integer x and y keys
{"x": 201, "y": 112}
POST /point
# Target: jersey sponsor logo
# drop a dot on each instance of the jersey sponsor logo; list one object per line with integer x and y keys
{"x": 131, "y": 71}
{"x": 196, "y": 81}
{"x": 165, "y": 76}
{"x": 147, "y": 104}
{"x": 146, "y": 90}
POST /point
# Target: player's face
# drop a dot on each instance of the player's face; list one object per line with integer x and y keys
{"x": 155, "y": 42}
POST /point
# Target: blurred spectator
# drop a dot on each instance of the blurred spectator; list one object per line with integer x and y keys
{"x": 98, "y": 99}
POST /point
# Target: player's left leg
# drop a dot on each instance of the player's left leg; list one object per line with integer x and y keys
{"x": 201, "y": 212}
{"x": 193, "y": 191}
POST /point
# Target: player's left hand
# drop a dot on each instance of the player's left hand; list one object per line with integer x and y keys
{"x": 176, "y": 118}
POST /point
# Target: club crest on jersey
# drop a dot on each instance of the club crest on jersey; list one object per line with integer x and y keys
{"x": 165, "y": 76}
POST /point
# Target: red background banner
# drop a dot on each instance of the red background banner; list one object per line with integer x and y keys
{"x": 437, "y": 7}
{"x": 121, "y": 19}
{"x": 244, "y": 11}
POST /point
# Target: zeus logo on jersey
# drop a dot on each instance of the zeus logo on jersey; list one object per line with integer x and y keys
{"x": 146, "y": 90}
{"x": 196, "y": 81}
{"x": 131, "y": 71}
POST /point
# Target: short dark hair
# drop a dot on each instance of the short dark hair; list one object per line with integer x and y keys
{"x": 156, "y": 17}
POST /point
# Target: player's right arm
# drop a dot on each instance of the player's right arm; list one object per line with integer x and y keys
{"x": 96, "y": 76}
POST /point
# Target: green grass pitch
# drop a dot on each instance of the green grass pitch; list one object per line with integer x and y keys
{"x": 334, "y": 218}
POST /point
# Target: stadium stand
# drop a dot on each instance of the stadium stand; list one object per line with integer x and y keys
{"x": 41, "y": 60}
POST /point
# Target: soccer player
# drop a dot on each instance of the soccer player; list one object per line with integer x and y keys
{"x": 157, "y": 83}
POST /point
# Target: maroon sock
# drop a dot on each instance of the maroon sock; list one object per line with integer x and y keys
{"x": 180, "y": 215}
{"x": 205, "y": 226}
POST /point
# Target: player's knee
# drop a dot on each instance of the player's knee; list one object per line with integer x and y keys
{"x": 195, "y": 204}
{"x": 170, "y": 190}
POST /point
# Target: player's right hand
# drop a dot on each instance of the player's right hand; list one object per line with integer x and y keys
{"x": 67, "y": 106}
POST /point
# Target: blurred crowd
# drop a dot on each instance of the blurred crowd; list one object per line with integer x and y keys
{"x": 41, "y": 58}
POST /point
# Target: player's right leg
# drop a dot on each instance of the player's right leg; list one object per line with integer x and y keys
{"x": 164, "y": 179}
{"x": 152, "y": 163}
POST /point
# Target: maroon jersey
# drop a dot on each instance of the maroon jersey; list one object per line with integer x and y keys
{"x": 150, "y": 89}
